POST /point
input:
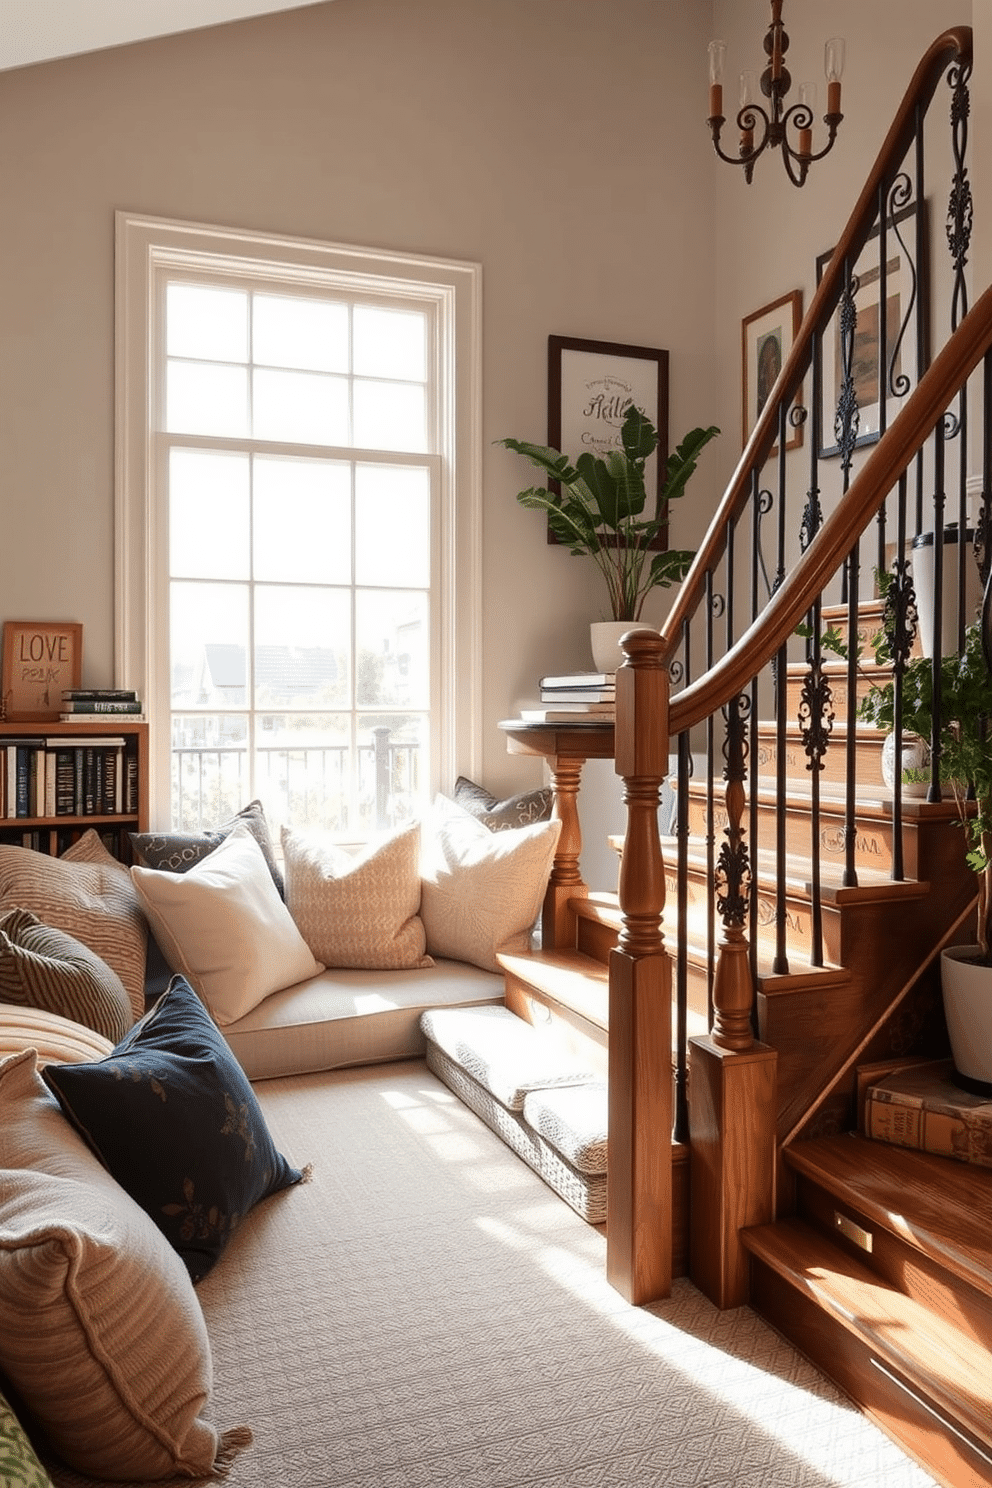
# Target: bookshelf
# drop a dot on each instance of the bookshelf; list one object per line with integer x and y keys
{"x": 83, "y": 783}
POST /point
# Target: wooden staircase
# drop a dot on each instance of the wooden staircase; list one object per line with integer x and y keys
{"x": 877, "y": 1262}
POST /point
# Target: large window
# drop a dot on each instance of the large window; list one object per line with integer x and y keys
{"x": 298, "y": 524}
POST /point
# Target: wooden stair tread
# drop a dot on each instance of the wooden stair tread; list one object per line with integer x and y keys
{"x": 940, "y": 1207}
{"x": 872, "y": 882}
{"x": 569, "y": 979}
{"x": 950, "y": 1368}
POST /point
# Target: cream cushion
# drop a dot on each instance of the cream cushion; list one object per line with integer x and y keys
{"x": 87, "y": 894}
{"x": 224, "y": 926}
{"x": 481, "y": 890}
{"x": 357, "y": 909}
{"x": 101, "y": 1333}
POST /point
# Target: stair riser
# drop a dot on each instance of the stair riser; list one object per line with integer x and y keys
{"x": 849, "y": 1362}
{"x": 901, "y": 1265}
{"x": 798, "y": 917}
{"x": 872, "y": 840}
{"x": 838, "y": 694}
{"x": 869, "y": 758}
{"x": 576, "y": 1035}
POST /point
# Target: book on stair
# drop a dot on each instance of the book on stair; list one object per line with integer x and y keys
{"x": 920, "y": 1106}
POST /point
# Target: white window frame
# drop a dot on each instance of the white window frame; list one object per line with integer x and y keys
{"x": 148, "y": 250}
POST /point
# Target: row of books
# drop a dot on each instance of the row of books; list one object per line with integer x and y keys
{"x": 574, "y": 697}
{"x": 49, "y": 777}
{"x": 99, "y": 702}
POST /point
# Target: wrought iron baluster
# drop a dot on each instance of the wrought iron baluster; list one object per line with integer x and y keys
{"x": 853, "y": 569}
{"x": 732, "y": 1028}
{"x": 899, "y": 624}
{"x": 681, "y": 1126}
{"x": 960, "y": 210}
{"x": 939, "y": 498}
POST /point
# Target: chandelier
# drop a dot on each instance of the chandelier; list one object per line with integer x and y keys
{"x": 761, "y": 126}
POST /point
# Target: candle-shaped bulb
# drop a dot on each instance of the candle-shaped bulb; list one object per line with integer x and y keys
{"x": 807, "y": 98}
{"x": 747, "y": 88}
{"x": 717, "y": 51}
{"x": 833, "y": 66}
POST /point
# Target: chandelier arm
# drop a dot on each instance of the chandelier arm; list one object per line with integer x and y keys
{"x": 747, "y": 118}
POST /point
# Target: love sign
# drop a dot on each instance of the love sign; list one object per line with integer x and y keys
{"x": 40, "y": 659}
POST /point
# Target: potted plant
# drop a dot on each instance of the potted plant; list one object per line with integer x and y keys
{"x": 965, "y": 738}
{"x": 603, "y": 513}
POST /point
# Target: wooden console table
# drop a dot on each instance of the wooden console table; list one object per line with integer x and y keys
{"x": 566, "y": 747}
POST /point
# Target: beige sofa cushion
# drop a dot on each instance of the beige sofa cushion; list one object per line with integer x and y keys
{"x": 101, "y": 1333}
{"x": 57, "y": 1040}
{"x": 224, "y": 926}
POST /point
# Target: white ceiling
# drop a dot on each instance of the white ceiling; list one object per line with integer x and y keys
{"x": 35, "y": 30}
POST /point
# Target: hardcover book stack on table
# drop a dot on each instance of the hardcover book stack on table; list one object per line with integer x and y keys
{"x": 576, "y": 697}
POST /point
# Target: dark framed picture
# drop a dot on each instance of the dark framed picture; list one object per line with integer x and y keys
{"x": 877, "y": 374}
{"x": 590, "y": 385}
{"x": 766, "y": 340}
{"x": 40, "y": 658}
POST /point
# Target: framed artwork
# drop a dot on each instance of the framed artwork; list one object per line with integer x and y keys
{"x": 893, "y": 371}
{"x": 590, "y": 385}
{"x": 766, "y": 340}
{"x": 40, "y": 658}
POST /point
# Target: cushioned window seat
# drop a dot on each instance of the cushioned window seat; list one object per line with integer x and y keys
{"x": 348, "y": 1017}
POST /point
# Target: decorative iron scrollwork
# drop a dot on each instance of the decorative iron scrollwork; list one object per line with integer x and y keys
{"x": 816, "y": 716}
{"x": 900, "y": 619}
{"x": 812, "y": 518}
{"x": 732, "y": 877}
{"x": 900, "y": 195}
{"x": 847, "y": 417}
{"x": 960, "y": 209}
{"x": 764, "y": 502}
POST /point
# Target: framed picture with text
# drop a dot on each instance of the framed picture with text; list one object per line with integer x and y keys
{"x": 40, "y": 659}
{"x": 590, "y": 385}
{"x": 766, "y": 340}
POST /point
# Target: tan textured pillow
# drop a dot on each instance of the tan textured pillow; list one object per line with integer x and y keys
{"x": 101, "y": 1332}
{"x": 482, "y": 890}
{"x": 357, "y": 910}
{"x": 88, "y": 894}
{"x": 225, "y": 928}
{"x": 57, "y": 1040}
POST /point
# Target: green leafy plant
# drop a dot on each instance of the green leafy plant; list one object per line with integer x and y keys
{"x": 601, "y": 510}
{"x": 965, "y": 747}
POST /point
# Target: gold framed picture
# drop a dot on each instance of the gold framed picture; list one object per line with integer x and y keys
{"x": 40, "y": 658}
{"x": 766, "y": 340}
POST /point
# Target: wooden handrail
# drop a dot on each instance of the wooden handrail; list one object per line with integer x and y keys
{"x": 835, "y": 539}
{"x": 953, "y": 46}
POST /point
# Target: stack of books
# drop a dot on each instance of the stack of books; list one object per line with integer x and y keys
{"x": 99, "y": 702}
{"x": 921, "y": 1106}
{"x": 576, "y": 697}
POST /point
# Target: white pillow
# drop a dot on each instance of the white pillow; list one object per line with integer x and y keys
{"x": 101, "y": 1332}
{"x": 481, "y": 890}
{"x": 225, "y": 928}
{"x": 357, "y": 910}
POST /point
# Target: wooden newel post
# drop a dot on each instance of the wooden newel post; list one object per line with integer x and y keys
{"x": 639, "y": 1162}
{"x": 732, "y": 1078}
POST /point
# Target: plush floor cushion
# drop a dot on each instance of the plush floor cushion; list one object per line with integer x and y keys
{"x": 357, "y": 909}
{"x": 505, "y": 1055}
{"x": 481, "y": 890}
{"x": 101, "y": 1333}
{"x": 57, "y": 1040}
{"x": 19, "y": 1466}
{"x": 225, "y": 928}
{"x": 45, "y": 968}
{"x": 171, "y": 1115}
{"x": 342, "y": 1018}
{"x": 87, "y": 894}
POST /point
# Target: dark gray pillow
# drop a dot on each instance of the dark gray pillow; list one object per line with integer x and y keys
{"x": 42, "y": 967}
{"x": 500, "y": 816}
{"x": 178, "y": 852}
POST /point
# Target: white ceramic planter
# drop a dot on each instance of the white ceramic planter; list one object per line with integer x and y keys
{"x": 604, "y": 638}
{"x": 915, "y": 756}
{"x": 967, "y": 992}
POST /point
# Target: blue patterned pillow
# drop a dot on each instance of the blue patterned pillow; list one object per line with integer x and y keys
{"x": 172, "y": 1117}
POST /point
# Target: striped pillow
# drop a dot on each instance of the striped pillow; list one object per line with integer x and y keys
{"x": 44, "y": 968}
{"x": 89, "y": 895}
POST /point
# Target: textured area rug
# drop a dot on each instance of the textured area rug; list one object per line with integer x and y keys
{"x": 427, "y": 1314}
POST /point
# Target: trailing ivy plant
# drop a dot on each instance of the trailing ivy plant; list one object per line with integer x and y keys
{"x": 601, "y": 510}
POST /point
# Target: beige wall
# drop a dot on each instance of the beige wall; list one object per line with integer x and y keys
{"x": 561, "y": 143}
